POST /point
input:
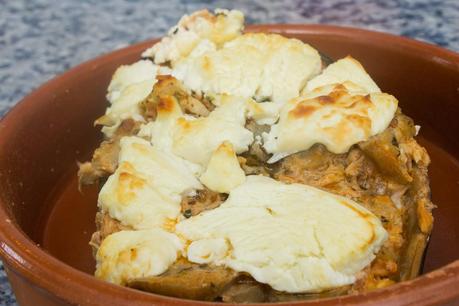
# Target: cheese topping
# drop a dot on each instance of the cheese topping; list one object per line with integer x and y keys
{"x": 130, "y": 84}
{"x": 170, "y": 174}
{"x": 127, "y": 75}
{"x": 338, "y": 108}
{"x": 126, "y": 105}
{"x": 263, "y": 113}
{"x": 128, "y": 255}
{"x": 345, "y": 69}
{"x": 337, "y": 116}
{"x": 246, "y": 233}
{"x": 223, "y": 172}
{"x": 291, "y": 237}
{"x": 160, "y": 131}
{"x": 207, "y": 251}
{"x": 146, "y": 189}
{"x": 195, "y": 139}
{"x": 264, "y": 66}
{"x": 194, "y": 29}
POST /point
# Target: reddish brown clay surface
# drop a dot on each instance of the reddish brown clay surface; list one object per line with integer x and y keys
{"x": 45, "y": 223}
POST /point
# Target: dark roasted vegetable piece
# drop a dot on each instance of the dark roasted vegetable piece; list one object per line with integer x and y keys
{"x": 188, "y": 281}
{"x": 204, "y": 199}
{"x": 105, "y": 158}
{"x": 169, "y": 86}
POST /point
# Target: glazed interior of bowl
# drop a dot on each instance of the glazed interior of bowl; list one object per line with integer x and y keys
{"x": 43, "y": 138}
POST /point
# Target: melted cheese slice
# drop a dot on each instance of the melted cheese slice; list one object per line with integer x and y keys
{"x": 130, "y": 85}
{"x": 294, "y": 238}
{"x": 170, "y": 174}
{"x": 128, "y": 255}
{"x": 126, "y": 75}
{"x": 195, "y": 139}
{"x": 337, "y": 116}
{"x": 223, "y": 172}
{"x": 192, "y": 30}
{"x": 345, "y": 69}
{"x": 127, "y": 103}
{"x": 264, "y": 66}
{"x": 160, "y": 131}
{"x": 263, "y": 113}
{"x": 207, "y": 251}
{"x": 146, "y": 189}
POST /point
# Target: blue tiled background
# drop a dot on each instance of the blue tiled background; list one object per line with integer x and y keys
{"x": 42, "y": 38}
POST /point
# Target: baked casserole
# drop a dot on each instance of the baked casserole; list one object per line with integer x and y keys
{"x": 244, "y": 167}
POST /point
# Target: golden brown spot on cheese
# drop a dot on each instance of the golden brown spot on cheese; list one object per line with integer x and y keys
{"x": 127, "y": 185}
{"x": 227, "y": 148}
{"x": 163, "y": 77}
{"x": 324, "y": 100}
{"x": 362, "y": 122}
{"x": 360, "y": 103}
{"x": 169, "y": 225}
{"x": 206, "y": 256}
{"x": 131, "y": 180}
{"x": 127, "y": 166}
{"x": 339, "y": 132}
{"x": 302, "y": 111}
{"x": 166, "y": 104}
{"x": 255, "y": 106}
{"x": 339, "y": 88}
{"x": 184, "y": 124}
{"x": 336, "y": 95}
{"x": 124, "y": 256}
{"x": 204, "y": 14}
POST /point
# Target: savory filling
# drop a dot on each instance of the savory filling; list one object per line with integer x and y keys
{"x": 236, "y": 168}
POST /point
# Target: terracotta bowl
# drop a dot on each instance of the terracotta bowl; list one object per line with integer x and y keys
{"x": 45, "y": 223}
